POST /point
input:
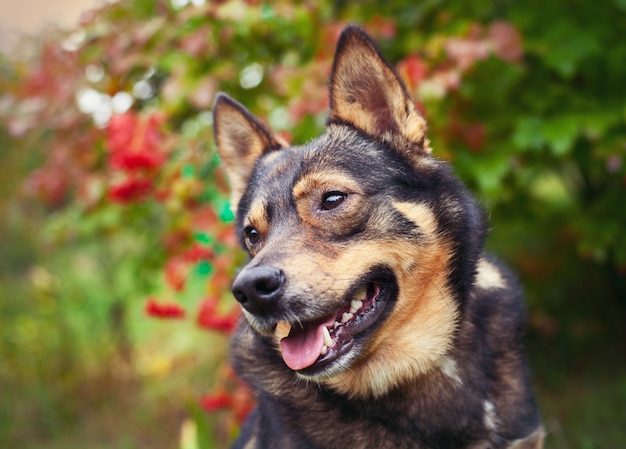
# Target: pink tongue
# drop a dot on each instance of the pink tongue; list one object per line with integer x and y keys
{"x": 302, "y": 346}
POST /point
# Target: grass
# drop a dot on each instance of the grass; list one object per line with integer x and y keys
{"x": 582, "y": 393}
{"x": 66, "y": 379}
{"x": 112, "y": 406}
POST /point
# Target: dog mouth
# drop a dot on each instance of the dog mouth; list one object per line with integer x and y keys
{"x": 310, "y": 347}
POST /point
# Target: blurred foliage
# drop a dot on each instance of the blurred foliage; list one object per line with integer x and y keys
{"x": 113, "y": 196}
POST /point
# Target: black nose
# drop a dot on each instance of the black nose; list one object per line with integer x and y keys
{"x": 258, "y": 288}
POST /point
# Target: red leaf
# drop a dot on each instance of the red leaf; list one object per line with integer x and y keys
{"x": 134, "y": 142}
{"x": 473, "y": 134}
{"x": 130, "y": 190}
{"x": 197, "y": 253}
{"x": 176, "y": 272}
{"x": 382, "y": 26}
{"x": 216, "y": 401}
{"x": 163, "y": 310}
{"x": 413, "y": 70}
{"x": 130, "y": 161}
{"x": 210, "y": 318}
{"x": 204, "y": 218}
{"x": 506, "y": 41}
{"x": 49, "y": 184}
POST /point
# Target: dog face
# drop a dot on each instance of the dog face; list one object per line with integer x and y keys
{"x": 360, "y": 241}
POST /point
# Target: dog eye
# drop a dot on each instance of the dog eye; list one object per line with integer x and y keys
{"x": 252, "y": 235}
{"x": 331, "y": 200}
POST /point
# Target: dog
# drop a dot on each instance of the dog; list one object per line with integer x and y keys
{"x": 373, "y": 317}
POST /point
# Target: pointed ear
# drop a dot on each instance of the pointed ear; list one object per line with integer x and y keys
{"x": 241, "y": 140}
{"x": 368, "y": 94}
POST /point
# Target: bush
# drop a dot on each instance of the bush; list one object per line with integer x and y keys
{"x": 112, "y": 120}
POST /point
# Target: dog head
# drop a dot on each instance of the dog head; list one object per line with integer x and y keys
{"x": 356, "y": 240}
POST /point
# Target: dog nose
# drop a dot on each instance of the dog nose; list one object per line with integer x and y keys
{"x": 258, "y": 288}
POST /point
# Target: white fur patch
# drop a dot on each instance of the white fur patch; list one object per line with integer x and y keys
{"x": 532, "y": 441}
{"x": 488, "y": 276}
{"x": 449, "y": 368}
{"x": 489, "y": 420}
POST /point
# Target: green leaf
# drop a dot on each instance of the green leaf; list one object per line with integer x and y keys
{"x": 567, "y": 48}
{"x": 550, "y": 188}
{"x": 204, "y": 238}
{"x": 267, "y": 12}
{"x": 487, "y": 170}
{"x": 226, "y": 214}
{"x": 560, "y": 133}
{"x": 202, "y": 436}
{"x": 188, "y": 171}
{"x": 204, "y": 268}
{"x": 144, "y": 9}
{"x": 528, "y": 134}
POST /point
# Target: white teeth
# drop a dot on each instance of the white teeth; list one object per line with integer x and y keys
{"x": 327, "y": 340}
{"x": 345, "y": 317}
{"x": 336, "y": 325}
{"x": 355, "y": 305}
{"x": 282, "y": 329}
{"x": 361, "y": 293}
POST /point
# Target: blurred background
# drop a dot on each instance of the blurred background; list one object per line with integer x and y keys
{"x": 116, "y": 243}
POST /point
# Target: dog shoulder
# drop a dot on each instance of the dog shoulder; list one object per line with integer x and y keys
{"x": 491, "y": 337}
{"x": 497, "y": 300}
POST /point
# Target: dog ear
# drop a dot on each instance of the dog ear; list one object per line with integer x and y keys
{"x": 241, "y": 140}
{"x": 368, "y": 94}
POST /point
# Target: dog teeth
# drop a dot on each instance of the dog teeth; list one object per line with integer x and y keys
{"x": 336, "y": 325}
{"x": 328, "y": 341}
{"x": 345, "y": 317}
{"x": 282, "y": 329}
{"x": 355, "y": 305}
{"x": 361, "y": 293}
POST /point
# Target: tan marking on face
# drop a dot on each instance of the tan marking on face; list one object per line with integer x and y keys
{"x": 256, "y": 214}
{"x": 412, "y": 340}
{"x": 420, "y": 330}
{"x": 488, "y": 276}
{"x": 308, "y": 194}
{"x": 257, "y": 218}
{"x": 420, "y": 214}
{"x": 315, "y": 269}
{"x": 324, "y": 181}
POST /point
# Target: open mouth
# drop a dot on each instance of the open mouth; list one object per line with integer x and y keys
{"x": 311, "y": 346}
